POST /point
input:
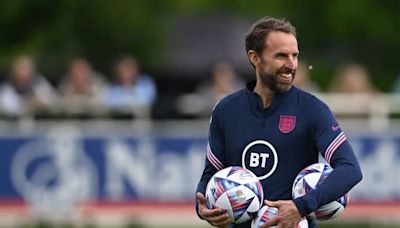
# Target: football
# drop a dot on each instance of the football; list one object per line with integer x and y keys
{"x": 307, "y": 180}
{"x": 238, "y": 191}
{"x": 266, "y": 213}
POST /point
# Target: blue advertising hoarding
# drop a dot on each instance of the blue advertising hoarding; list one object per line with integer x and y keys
{"x": 63, "y": 166}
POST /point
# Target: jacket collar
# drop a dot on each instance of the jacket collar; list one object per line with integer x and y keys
{"x": 256, "y": 101}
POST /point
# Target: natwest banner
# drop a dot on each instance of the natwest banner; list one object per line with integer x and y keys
{"x": 64, "y": 166}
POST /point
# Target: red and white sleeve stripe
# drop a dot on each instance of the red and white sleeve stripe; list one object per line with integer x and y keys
{"x": 334, "y": 145}
{"x": 212, "y": 159}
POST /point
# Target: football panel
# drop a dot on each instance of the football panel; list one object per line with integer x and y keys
{"x": 303, "y": 223}
{"x": 344, "y": 200}
{"x": 265, "y": 214}
{"x": 242, "y": 176}
{"x": 223, "y": 202}
{"x": 242, "y": 199}
{"x": 312, "y": 179}
{"x": 210, "y": 193}
{"x": 298, "y": 190}
{"x": 257, "y": 190}
{"x": 329, "y": 211}
{"x": 318, "y": 166}
{"x": 223, "y": 173}
{"x": 325, "y": 173}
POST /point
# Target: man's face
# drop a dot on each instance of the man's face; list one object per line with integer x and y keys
{"x": 277, "y": 64}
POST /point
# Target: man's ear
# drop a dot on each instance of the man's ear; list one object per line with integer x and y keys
{"x": 253, "y": 57}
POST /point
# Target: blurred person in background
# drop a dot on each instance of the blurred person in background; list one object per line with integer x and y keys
{"x": 351, "y": 83}
{"x": 131, "y": 91}
{"x": 223, "y": 81}
{"x": 352, "y": 79}
{"x": 303, "y": 79}
{"x": 26, "y": 91}
{"x": 81, "y": 89}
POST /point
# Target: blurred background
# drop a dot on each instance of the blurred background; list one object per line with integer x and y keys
{"x": 104, "y": 105}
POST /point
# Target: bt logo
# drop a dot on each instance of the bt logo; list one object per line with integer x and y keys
{"x": 261, "y": 158}
{"x": 256, "y": 157}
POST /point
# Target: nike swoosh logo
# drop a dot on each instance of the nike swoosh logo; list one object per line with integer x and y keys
{"x": 335, "y": 127}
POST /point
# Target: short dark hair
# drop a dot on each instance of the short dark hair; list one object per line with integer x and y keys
{"x": 255, "y": 38}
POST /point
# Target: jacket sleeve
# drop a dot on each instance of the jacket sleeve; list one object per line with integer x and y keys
{"x": 215, "y": 158}
{"x": 334, "y": 147}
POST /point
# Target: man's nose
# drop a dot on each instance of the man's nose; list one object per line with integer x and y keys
{"x": 291, "y": 63}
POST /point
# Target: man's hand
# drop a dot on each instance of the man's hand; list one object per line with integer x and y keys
{"x": 217, "y": 217}
{"x": 288, "y": 216}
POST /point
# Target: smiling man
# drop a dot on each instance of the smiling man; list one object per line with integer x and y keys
{"x": 275, "y": 130}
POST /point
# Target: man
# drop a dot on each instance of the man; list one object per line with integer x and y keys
{"x": 275, "y": 129}
{"x": 27, "y": 91}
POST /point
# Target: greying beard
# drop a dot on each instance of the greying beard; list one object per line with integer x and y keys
{"x": 270, "y": 81}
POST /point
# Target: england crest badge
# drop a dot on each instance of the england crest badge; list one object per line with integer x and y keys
{"x": 287, "y": 123}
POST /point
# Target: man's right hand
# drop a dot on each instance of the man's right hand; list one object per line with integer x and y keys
{"x": 216, "y": 217}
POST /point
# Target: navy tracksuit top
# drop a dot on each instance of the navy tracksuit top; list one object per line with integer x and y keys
{"x": 276, "y": 143}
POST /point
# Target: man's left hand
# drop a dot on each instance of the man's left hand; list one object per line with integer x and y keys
{"x": 288, "y": 216}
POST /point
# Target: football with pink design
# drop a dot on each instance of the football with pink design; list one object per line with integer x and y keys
{"x": 238, "y": 191}
{"x": 309, "y": 179}
{"x": 266, "y": 213}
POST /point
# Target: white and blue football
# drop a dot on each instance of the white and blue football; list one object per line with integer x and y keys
{"x": 309, "y": 179}
{"x": 238, "y": 191}
{"x": 266, "y": 213}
